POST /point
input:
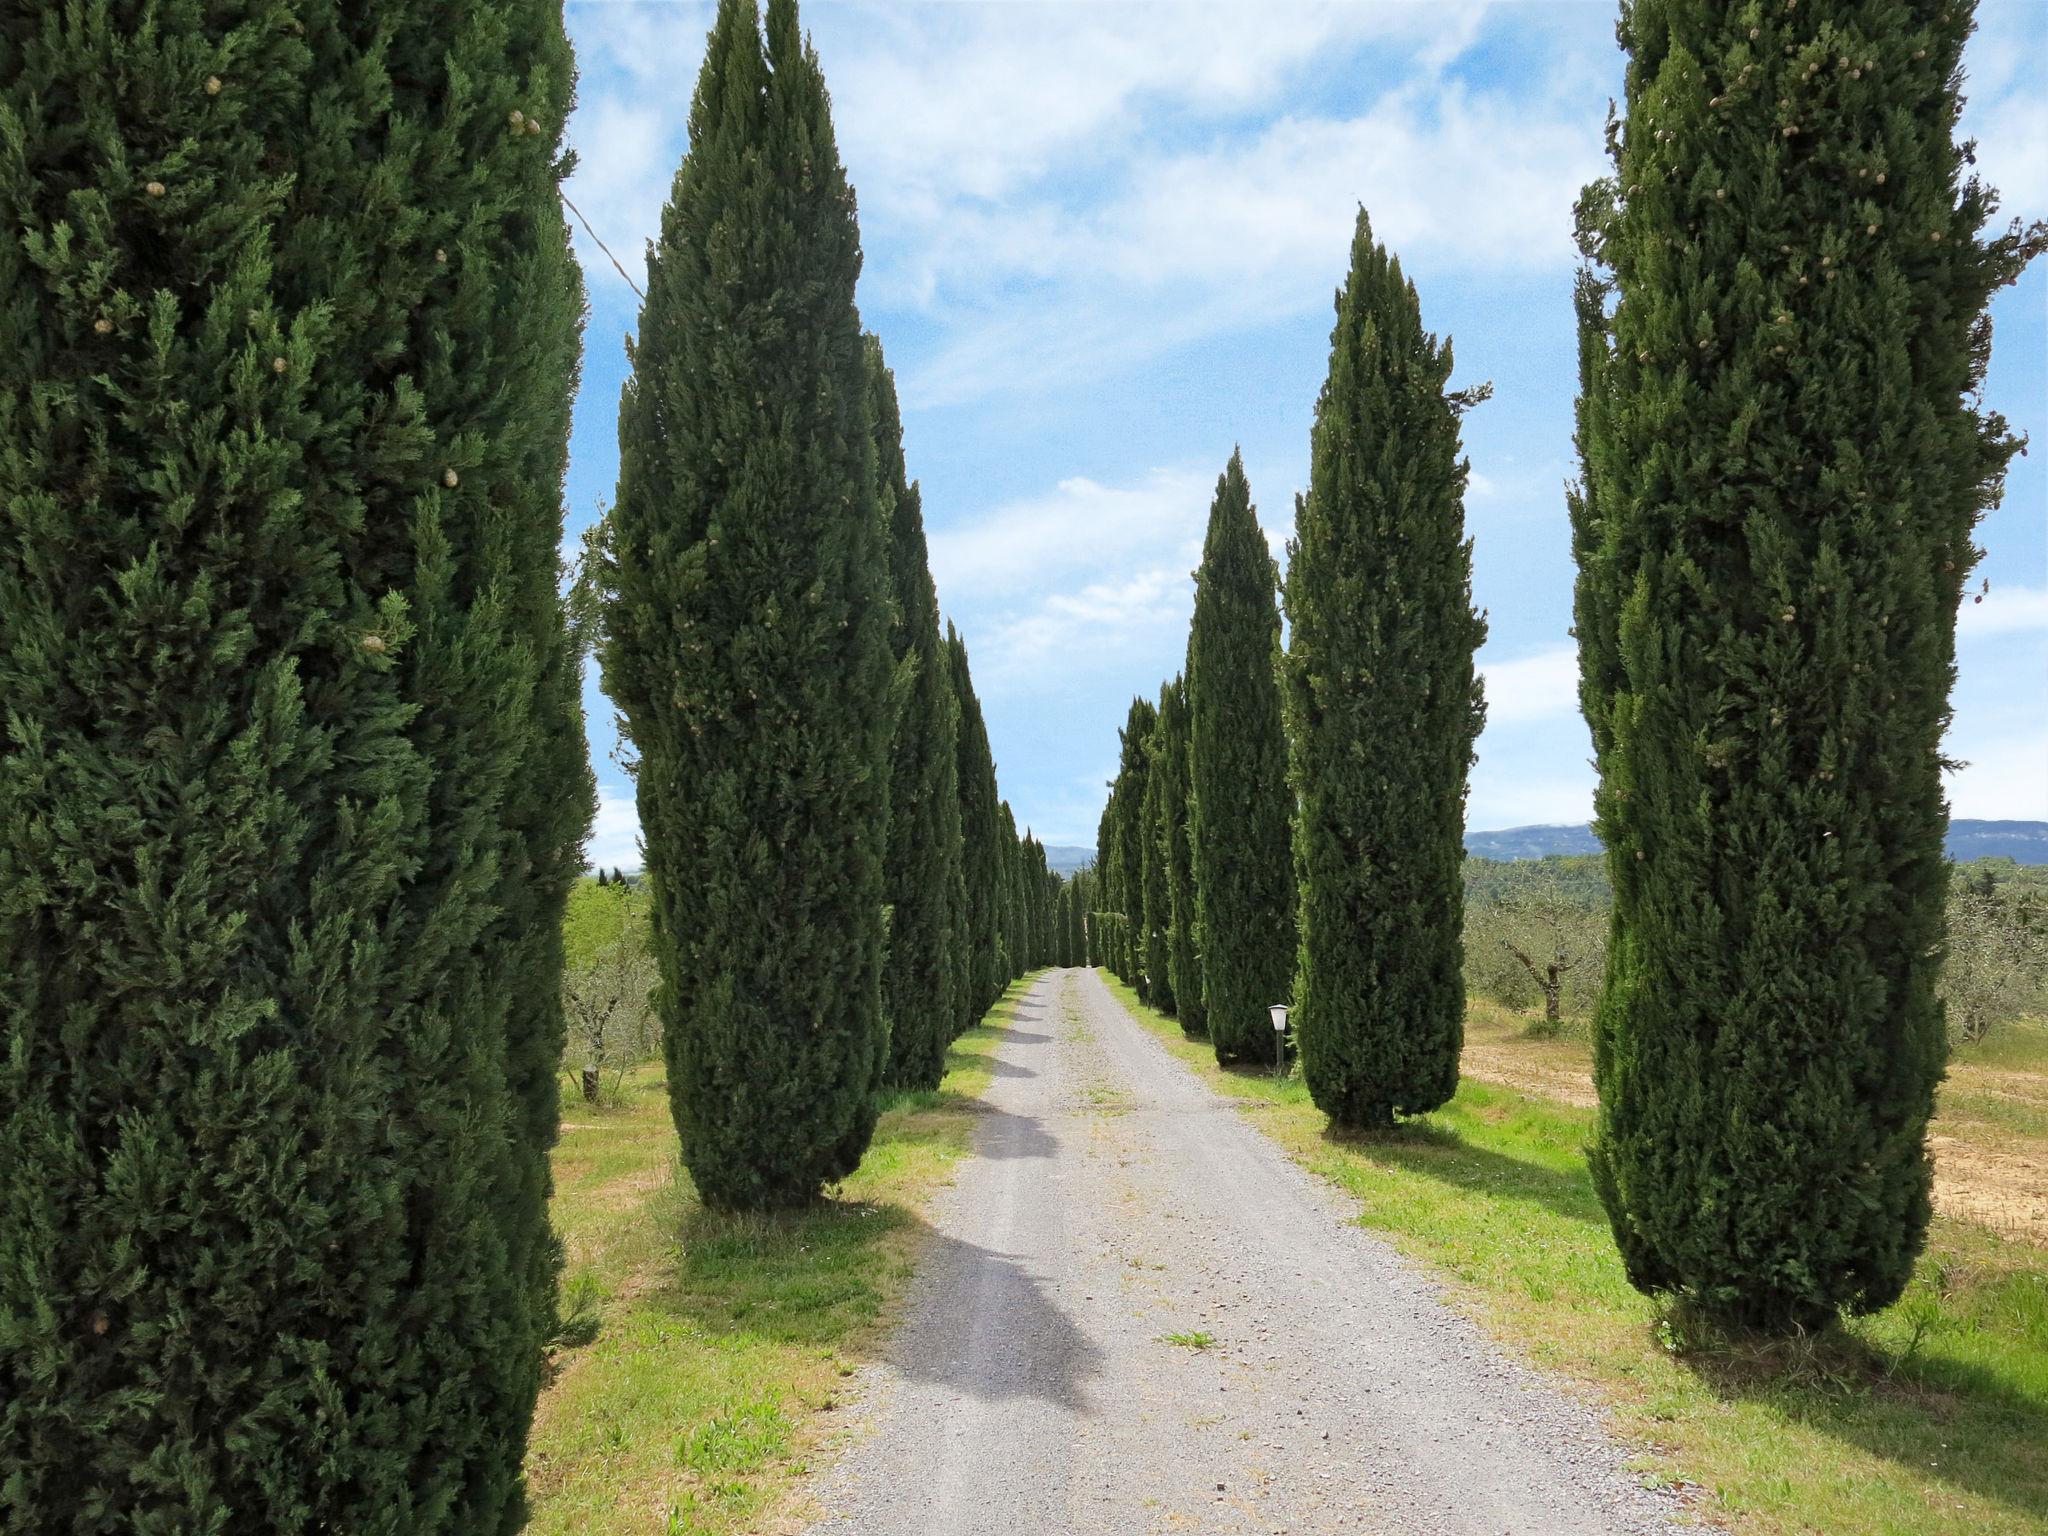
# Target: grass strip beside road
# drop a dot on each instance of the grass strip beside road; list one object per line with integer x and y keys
{"x": 1931, "y": 1417}
{"x": 724, "y": 1341}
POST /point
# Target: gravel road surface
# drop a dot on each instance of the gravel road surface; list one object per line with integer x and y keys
{"x": 1114, "y": 1200}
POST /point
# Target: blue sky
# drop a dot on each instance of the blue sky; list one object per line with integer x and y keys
{"x": 1101, "y": 245}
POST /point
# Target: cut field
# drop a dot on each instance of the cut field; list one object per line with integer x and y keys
{"x": 1928, "y": 1418}
{"x": 722, "y": 1341}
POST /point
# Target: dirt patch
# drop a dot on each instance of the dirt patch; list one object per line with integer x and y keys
{"x": 1514, "y": 1067}
{"x": 2003, "y": 1187}
{"x": 1982, "y": 1173}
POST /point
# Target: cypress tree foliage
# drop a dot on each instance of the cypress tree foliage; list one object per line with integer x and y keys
{"x": 1783, "y": 461}
{"x": 1154, "y": 851}
{"x": 921, "y": 867}
{"x": 748, "y": 632}
{"x": 1076, "y": 892}
{"x": 1384, "y": 708}
{"x": 1239, "y": 828}
{"x": 1109, "y": 898}
{"x": 292, "y": 783}
{"x": 981, "y": 832}
{"x": 1010, "y": 900}
{"x": 1171, "y": 770}
{"x": 1131, "y": 835}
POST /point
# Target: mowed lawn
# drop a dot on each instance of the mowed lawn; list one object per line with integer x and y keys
{"x": 1931, "y": 1417}
{"x": 723, "y": 1342}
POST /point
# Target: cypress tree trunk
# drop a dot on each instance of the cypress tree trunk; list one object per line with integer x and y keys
{"x": 1239, "y": 826}
{"x": 291, "y": 772}
{"x": 1384, "y": 709}
{"x": 1183, "y": 958}
{"x": 921, "y": 864}
{"x": 981, "y": 834}
{"x": 1154, "y": 853}
{"x": 1783, "y": 463}
{"x": 1131, "y": 834}
{"x": 748, "y": 643}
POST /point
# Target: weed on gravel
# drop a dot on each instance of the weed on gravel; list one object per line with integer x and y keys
{"x": 710, "y": 1350}
{"x": 1928, "y": 1418}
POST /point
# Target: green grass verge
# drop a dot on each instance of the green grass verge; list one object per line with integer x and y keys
{"x": 723, "y": 1341}
{"x": 1931, "y": 1417}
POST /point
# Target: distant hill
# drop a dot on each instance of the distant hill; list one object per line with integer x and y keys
{"x": 2024, "y": 842}
{"x": 1065, "y": 860}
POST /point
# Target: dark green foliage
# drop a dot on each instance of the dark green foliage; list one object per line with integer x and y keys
{"x": 1011, "y": 905}
{"x": 1108, "y": 898}
{"x": 1074, "y": 944}
{"x": 1239, "y": 824}
{"x": 1783, "y": 461}
{"x": 1133, "y": 770}
{"x": 981, "y": 832}
{"x": 291, "y": 771}
{"x": 1384, "y": 708}
{"x": 921, "y": 868}
{"x": 1171, "y": 770}
{"x": 748, "y": 632}
{"x": 1154, "y": 850}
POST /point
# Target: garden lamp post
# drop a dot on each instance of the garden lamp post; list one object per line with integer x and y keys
{"x": 1279, "y": 1013}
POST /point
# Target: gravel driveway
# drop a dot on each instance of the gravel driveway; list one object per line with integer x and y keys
{"x": 1114, "y": 1200}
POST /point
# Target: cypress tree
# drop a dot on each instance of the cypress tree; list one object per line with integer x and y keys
{"x": 1783, "y": 460}
{"x": 1132, "y": 772}
{"x": 1076, "y": 891}
{"x": 1153, "y": 854}
{"x": 1384, "y": 708}
{"x": 1237, "y": 772}
{"x": 292, "y": 782}
{"x": 981, "y": 834}
{"x": 1011, "y": 900}
{"x": 921, "y": 867}
{"x": 1171, "y": 766}
{"x": 748, "y": 632}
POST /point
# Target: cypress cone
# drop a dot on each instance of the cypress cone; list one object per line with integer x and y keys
{"x": 748, "y": 632}
{"x": 1239, "y": 829}
{"x": 921, "y": 866}
{"x": 1783, "y": 461}
{"x": 1384, "y": 708}
{"x": 292, "y": 779}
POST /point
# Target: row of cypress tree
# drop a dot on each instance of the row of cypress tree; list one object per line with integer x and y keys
{"x": 1783, "y": 456}
{"x": 1287, "y": 825}
{"x": 838, "y": 888}
{"x": 292, "y": 784}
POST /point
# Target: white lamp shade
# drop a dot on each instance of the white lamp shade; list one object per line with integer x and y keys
{"x": 1279, "y": 1012}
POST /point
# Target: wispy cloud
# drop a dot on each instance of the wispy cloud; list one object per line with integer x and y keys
{"x": 2005, "y": 610}
{"x": 1541, "y": 686}
{"x": 615, "y": 835}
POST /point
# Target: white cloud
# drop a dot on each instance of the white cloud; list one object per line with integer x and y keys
{"x": 1080, "y": 526}
{"x": 2006, "y": 779}
{"x": 2004, "y": 611}
{"x": 615, "y": 835}
{"x": 1542, "y": 686}
{"x": 1504, "y": 794}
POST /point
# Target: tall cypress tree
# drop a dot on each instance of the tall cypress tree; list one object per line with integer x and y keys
{"x": 748, "y": 632}
{"x": 1076, "y": 891}
{"x": 1171, "y": 769}
{"x": 1783, "y": 462}
{"x": 1239, "y": 825}
{"x": 921, "y": 864}
{"x": 1108, "y": 861}
{"x": 981, "y": 835}
{"x": 1010, "y": 898}
{"x": 1132, "y": 772}
{"x": 291, "y": 773}
{"x": 1384, "y": 709}
{"x": 1154, "y": 851}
